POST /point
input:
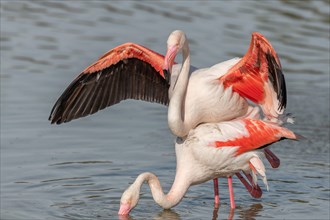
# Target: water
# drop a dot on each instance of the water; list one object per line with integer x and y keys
{"x": 79, "y": 170}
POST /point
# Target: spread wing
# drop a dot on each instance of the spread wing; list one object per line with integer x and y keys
{"x": 258, "y": 76}
{"x": 129, "y": 71}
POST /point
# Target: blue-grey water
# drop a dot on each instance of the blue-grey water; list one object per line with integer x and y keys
{"x": 78, "y": 170}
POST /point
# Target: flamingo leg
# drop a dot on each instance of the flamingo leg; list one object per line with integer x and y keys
{"x": 254, "y": 189}
{"x": 272, "y": 158}
{"x": 215, "y": 212}
{"x": 231, "y": 214}
{"x": 216, "y": 192}
{"x": 231, "y": 192}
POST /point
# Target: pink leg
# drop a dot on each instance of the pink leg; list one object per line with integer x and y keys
{"x": 231, "y": 214}
{"x": 254, "y": 190}
{"x": 216, "y": 192}
{"x": 272, "y": 158}
{"x": 231, "y": 192}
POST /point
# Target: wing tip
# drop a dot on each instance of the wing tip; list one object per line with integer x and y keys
{"x": 57, "y": 120}
{"x": 299, "y": 137}
{"x": 51, "y": 120}
{"x": 54, "y": 113}
{"x": 257, "y": 35}
{"x": 54, "y": 120}
{"x": 277, "y": 79}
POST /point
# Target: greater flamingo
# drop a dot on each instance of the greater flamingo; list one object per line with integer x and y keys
{"x": 210, "y": 151}
{"x": 209, "y": 95}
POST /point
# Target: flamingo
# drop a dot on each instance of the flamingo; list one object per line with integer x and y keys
{"x": 210, "y": 151}
{"x": 218, "y": 93}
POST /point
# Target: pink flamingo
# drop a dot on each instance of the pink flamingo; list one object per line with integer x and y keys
{"x": 208, "y": 95}
{"x": 210, "y": 151}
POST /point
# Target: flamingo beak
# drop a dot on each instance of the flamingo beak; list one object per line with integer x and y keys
{"x": 169, "y": 61}
{"x": 124, "y": 209}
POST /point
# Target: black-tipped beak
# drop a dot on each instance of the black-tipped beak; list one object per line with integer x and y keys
{"x": 167, "y": 75}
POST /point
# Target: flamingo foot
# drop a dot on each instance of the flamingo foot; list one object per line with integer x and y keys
{"x": 254, "y": 189}
{"x": 231, "y": 193}
{"x": 272, "y": 158}
{"x": 216, "y": 193}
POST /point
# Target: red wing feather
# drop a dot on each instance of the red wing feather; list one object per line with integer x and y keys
{"x": 260, "y": 133}
{"x": 125, "y": 51}
{"x": 129, "y": 71}
{"x": 258, "y": 76}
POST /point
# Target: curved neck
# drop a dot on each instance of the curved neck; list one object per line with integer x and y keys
{"x": 174, "y": 196}
{"x": 176, "y": 117}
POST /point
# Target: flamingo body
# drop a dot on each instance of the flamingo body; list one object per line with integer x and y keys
{"x": 219, "y": 93}
{"x": 206, "y": 99}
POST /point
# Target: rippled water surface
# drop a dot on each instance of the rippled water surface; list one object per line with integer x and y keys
{"x": 79, "y": 170}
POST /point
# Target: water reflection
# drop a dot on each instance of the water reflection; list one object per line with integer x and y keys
{"x": 163, "y": 215}
{"x": 122, "y": 217}
{"x": 167, "y": 215}
{"x": 245, "y": 213}
{"x": 249, "y": 213}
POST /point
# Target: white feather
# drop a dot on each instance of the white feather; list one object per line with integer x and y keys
{"x": 260, "y": 168}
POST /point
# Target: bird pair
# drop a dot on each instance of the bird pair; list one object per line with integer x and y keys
{"x": 219, "y": 134}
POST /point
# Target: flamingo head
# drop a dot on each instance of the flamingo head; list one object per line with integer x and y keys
{"x": 128, "y": 200}
{"x": 175, "y": 43}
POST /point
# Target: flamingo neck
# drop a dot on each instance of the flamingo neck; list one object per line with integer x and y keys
{"x": 176, "y": 115}
{"x": 174, "y": 196}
